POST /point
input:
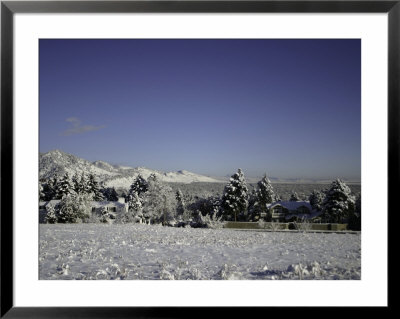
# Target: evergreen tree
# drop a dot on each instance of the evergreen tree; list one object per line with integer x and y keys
{"x": 110, "y": 194}
{"x": 83, "y": 186}
{"x": 75, "y": 183}
{"x": 264, "y": 194}
{"x": 139, "y": 186}
{"x": 50, "y": 189}
{"x": 45, "y": 191}
{"x": 180, "y": 208}
{"x": 234, "y": 201}
{"x": 338, "y": 203}
{"x": 294, "y": 197}
{"x": 93, "y": 188}
{"x": 64, "y": 186}
{"x": 135, "y": 203}
{"x": 316, "y": 198}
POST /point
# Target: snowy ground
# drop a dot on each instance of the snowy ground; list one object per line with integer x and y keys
{"x": 134, "y": 251}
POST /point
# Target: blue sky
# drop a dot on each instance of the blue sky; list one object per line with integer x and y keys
{"x": 288, "y": 108}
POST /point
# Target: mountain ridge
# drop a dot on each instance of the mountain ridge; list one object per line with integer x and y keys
{"x": 58, "y": 163}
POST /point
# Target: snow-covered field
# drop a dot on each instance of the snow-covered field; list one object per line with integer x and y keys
{"x": 135, "y": 251}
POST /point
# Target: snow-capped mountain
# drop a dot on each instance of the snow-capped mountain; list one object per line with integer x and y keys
{"x": 58, "y": 163}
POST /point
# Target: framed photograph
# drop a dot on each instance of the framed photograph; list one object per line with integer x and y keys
{"x": 158, "y": 156}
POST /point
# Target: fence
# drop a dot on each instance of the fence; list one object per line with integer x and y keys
{"x": 283, "y": 226}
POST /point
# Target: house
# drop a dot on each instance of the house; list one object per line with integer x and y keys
{"x": 112, "y": 208}
{"x": 285, "y": 210}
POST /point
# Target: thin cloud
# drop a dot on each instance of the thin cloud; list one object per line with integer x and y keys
{"x": 78, "y": 128}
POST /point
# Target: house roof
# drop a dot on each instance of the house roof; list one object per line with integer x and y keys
{"x": 107, "y": 204}
{"x": 291, "y": 205}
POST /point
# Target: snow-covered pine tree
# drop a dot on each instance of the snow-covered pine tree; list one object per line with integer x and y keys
{"x": 235, "y": 197}
{"x": 93, "y": 188}
{"x": 180, "y": 205}
{"x": 45, "y": 191}
{"x": 316, "y": 198}
{"x": 113, "y": 195}
{"x": 264, "y": 194}
{"x": 75, "y": 183}
{"x": 338, "y": 203}
{"x": 216, "y": 206}
{"x": 139, "y": 186}
{"x": 110, "y": 194}
{"x": 64, "y": 186}
{"x": 50, "y": 188}
{"x": 136, "y": 192}
{"x": 134, "y": 202}
{"x": 83, "y": 187}
{"x": 294, "y": 197}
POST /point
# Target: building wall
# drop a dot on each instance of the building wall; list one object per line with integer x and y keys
{"x": 110, "y": 209}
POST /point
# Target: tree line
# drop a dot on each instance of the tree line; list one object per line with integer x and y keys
{"x": 58, "y": 187}
{"x": 153, "y": 201}
{"x": 336, "y": 204}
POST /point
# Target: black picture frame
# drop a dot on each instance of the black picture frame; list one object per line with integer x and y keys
{"x": 9, "y": 8}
